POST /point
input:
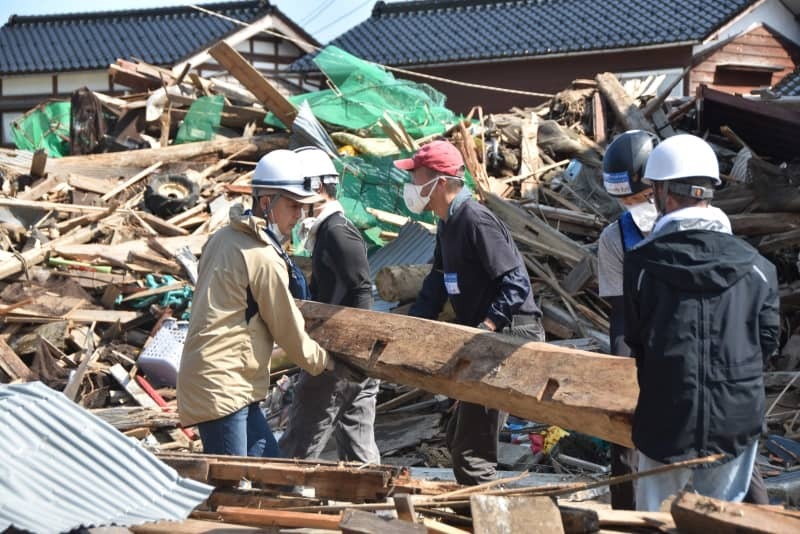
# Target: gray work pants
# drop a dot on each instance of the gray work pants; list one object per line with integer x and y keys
{"x": 325, "y": 405}
{"x": 473, "y": 430}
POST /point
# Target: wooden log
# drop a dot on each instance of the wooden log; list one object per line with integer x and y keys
{"x": 491, "y": 514}
{"x": 697, "y": 513}
{"x": 584, "y": 391}
{"x": 755, "y": 224}
{"x": 264, "y": 91}
{"x": 623, "y": 106}
{"x": 360, "y": 522}
{"x": 278, "y": 518}
{"x": 401, "y": 283}
{"x": 126, "y": 418}
{"x": 130, "y": 162}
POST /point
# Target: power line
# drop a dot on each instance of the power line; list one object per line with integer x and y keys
{"x": 306, "y": 45}
{"x": 313, "y": 14}
{"x": 359, "y": 6}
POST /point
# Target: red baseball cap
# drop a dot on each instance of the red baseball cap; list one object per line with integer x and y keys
{"x": 440, "y": 156}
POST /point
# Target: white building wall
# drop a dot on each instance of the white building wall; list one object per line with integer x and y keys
{"x": 97, "y": 80}
{"x": 33, "y": 84}
{"x": 8, "y": 118}
{"x": 261, "y": 47}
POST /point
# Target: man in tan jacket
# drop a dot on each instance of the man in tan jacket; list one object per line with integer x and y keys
{"x": 242, "y": 306}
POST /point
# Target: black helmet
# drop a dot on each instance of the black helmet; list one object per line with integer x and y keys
{"x": 625, "y": 160}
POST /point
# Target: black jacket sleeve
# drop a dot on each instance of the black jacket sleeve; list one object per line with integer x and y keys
{"x": 616, "y": 329}
{"x": 347, "y": 256}
{"x": 433, "y": 295}
{"x": 633, "y": 322}
{"x": 515, "y": 286}
{"x": 769, "y": 317}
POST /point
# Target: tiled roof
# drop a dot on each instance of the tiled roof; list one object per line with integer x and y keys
{"x": 789, "y": 85}
{"x": 82, "y": 41}
{"x": 442, "y": 31}
{"x": 64, "y": 468}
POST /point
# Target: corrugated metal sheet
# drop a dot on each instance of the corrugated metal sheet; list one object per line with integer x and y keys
{"x": 63, "y": 468}
{"x": 413, "y": 245}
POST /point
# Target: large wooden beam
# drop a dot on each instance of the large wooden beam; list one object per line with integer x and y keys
{"x": 114, "y": 164}
{"x": 592, "y": 393}
{"x": 623, "y": 106}
{"x": 264, "y": 91}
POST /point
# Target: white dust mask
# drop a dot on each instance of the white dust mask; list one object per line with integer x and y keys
{"x": 412, "y": 195}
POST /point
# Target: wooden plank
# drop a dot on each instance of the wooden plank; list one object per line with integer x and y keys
{"x": 12, "y": 364}
{"x": 623, "y": 106}
{"x": 405, "y": 508}
{"x": 130, "y": 181}
{"x": 530, "y": 156}
{"x": 360, "y": 522}
{"x": 193, "y": 526}
{"x": 253, "y": 80}
{"x": 697, "y": 513}
{"x": 491, "y": 514}
{"x": 579, "y": 390}
{"x": 90, "y": 356}
{"x": 437, "y": 527}
{"x": 78, "y": 316}
{"x": 330, "y": 480}
{"x": 278, "y": 518}
{"x": 598, "y": 118}
{"x": 37, "y": 255}
{"x": 39, "y": 190}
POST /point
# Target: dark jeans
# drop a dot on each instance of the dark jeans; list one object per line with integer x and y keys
{"x": 242, "y": 433}
{"x": 473, "y": 430}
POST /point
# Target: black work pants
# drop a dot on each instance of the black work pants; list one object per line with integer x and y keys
{"x": 473, "y": 430}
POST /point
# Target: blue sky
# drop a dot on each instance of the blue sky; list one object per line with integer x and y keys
{"x": 333, "y": 19}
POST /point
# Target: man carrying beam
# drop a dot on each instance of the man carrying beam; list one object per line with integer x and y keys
{"x": 478, "y": 268}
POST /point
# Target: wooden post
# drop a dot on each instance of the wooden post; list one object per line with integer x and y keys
{"x": 253, "y": 80}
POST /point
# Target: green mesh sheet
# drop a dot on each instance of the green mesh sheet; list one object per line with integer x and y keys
{"x": 45, "y": 127}
{"x": 374, "y": 182}
{"x": 362, "y": 92}
{"x": 202, "y": 120}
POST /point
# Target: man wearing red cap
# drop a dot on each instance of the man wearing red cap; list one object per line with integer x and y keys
{"x": 478, "y": 268}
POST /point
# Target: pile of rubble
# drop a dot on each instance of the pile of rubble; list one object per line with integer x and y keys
{"x": 98, "y": 261}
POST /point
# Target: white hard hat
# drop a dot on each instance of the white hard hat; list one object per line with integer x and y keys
{"x": 317, "y": 166}
{"x": 682, "y": 156}
{"x": 281, "y": 171}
